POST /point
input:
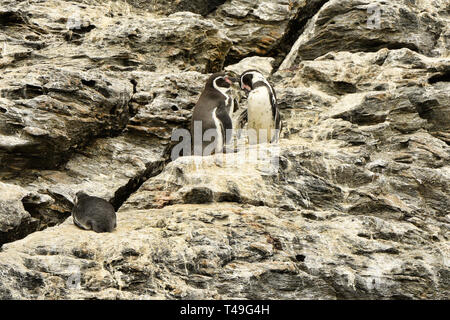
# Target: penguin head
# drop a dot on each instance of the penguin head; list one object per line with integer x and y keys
{"x": 79, "y": 195}
{"x": 220, "y": 81}
{"x": 249, "y": 78}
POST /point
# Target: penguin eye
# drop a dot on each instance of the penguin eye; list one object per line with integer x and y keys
{"x": 221, "y": 82}
{"x": 247, "y": 80}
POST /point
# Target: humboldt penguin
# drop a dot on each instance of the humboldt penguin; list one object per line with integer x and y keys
{"x": 212, "y": 116}
{"x": 93, "y": 213}
{"x": 262, "y": 112}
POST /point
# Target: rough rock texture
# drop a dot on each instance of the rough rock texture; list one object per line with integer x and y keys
{"x": 262, "y": 64}
{"x": 15, "y": 221}
{"x": 168, "y": 7}
{"x": 366, "y": 25}
{"x": 263, "y": 27}
{"x": 353, "y": 204}
{"x": 164, "y": 101}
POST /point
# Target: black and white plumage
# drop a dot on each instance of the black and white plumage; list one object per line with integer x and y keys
{"x": 262, "y": 113}
{"x": 213, "y": 110}
{"x": 93, "y": 213}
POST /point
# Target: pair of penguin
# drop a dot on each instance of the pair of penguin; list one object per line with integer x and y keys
{"x": 213, "y": 111}
{"x": 214, "y": 108}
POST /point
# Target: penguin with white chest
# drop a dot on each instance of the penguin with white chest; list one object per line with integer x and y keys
{"x": 262, "y": 112}
{"x": 211, "y": 116}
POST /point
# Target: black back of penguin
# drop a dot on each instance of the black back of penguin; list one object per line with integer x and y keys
{"x": 93, "y": 213}
{"x": 212, "y": 110}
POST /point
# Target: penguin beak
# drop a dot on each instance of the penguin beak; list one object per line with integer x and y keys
{"x": 246, "y": 87}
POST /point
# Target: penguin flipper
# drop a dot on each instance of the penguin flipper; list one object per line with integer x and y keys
{"x": 278, "y": 126}
{"x": 226, "y": 124}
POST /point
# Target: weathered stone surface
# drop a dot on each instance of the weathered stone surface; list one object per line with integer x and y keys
{"x": 398, "y": 88}
{"x": 110, "y": 168}
{"x": 356, "y": 206}
{"x": 15, "y": 221}
{"x": 111, "y": 38}
{"x": 164, "y": 101}
{"x": 172, "y": 252}
{"x": 195, "y": 180}
{"x": 167, "y": 7}
{"x": 47, "y": 112}
{"x": 73, "y": 80}
{"x": 262, "y": 27}
{"x": 366, "y": 122}
{"x": 363, "y": 25}
{"x": 262, "y": 64}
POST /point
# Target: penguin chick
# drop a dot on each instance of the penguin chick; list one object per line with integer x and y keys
{"x": 212, "y": 112}
{"x": 262, "y": 112}
{"x": 93, "y": 213}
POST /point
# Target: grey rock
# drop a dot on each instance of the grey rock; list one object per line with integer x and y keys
{"x": 353, "y": 205}
{"x": 262, "y": 27}
{"x": 164, "y": 101}
{"x": 48, "y": 112}
{"x": 369, "y": 257}
{"x": 15, "y": 221}
{"x": 362, "y": 25}
{"x": 109, "y": 168}
{"x": 202, "y": 7}
{"x": 113, "y": 37}
{"x": 262, "y": 64}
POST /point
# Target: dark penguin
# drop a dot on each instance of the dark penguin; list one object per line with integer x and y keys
{"x": 93, "y": 213}
{"x": 262, "y": 112}
{"x": 212, "y": 111}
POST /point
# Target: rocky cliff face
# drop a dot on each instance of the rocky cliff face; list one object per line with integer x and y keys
{"x": 357, "y": 207}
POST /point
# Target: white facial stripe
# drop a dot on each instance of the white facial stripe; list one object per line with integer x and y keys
{"x": 242, "y": 77}
{"x": 222, "y": 90}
